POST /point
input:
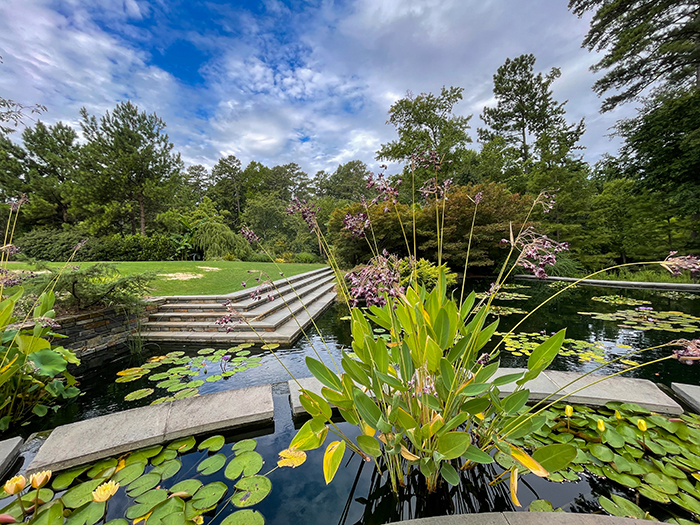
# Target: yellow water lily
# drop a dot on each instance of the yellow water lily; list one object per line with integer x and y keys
{"x": 198, "y": 520}
{"x": 15, "y": 485}
{"x": 39, "y": 479}
{"x": 105, "y": 491}
{"x": 642, "y": 425}
{"x": 569, "y": 410}
{"x": 601, "y": 425}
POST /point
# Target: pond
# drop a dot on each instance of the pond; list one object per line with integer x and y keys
{"x": 596, "y": 331}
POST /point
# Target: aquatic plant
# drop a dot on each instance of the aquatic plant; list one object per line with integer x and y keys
{"x": 620, "y": 300}
{"x": 149, "y": 478}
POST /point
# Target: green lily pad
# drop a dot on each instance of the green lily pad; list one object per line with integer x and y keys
{"x": 213, "y": 443}
{"x": 143, "y": 454}
{"x": 251, "y": 490}
{"x": 212, "y": 464}
{"x": 168, "y": 383}
{"x": 601, "y": 452}
{"x": 80, "y": 494}
{"x": 88, "y": 514}
{"x": 183, "y": 445}
{"x": 661, "y": 482}
{"x": 165, "y": 455}
{"x": 214, "y": 378}
{"x": 138, "y": 394}
{"x": 687, "y": 502}
{"x": 101, "y": 466}
{"x": 128, "y": 379}
{"x": 146, "y": 503}
{"x": 178, "y": 386}
{"x": 190, "y": 486}
{"x": 129, "y": 473}
{"x": 187, "y": 392}
{"x": 168, "y": 507}
{"x": 244, "y": 517}
{"x": 621, "y": 507}
{"x": 244, "y": 445}
{"x": 160, "y": 376}
{"x": 209, "y": 495}
{"x": 65, "y": 479}
{"x": 45, "y": 495}
{"x": 168, "y": 468}
{"x": 52, "y": 514}
{"x": 142, "y": 485}
{"x": 206, "y": 351}
{"x": 648, "y": 492}
{"x": 160, "y": 400}
{"x": 247, "y": 463}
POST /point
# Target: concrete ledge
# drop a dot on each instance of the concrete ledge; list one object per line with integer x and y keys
{"x": 680, "y": 287}
{"x": 524, "y": 518}
{"x": 9, "y": 451}
{"x": 114, "y": 434}
{"x": 690, "y": 394}
{"x": 627, "y": 390}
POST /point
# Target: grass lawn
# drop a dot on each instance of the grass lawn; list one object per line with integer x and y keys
{"x": 199, "y": 277}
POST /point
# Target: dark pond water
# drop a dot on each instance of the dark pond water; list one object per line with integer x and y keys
{"x": 358, "y": 494}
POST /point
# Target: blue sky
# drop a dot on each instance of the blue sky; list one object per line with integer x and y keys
{"x": 298, "y": 81}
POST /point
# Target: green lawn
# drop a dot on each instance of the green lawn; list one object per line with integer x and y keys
{"x": 200, "y": 277}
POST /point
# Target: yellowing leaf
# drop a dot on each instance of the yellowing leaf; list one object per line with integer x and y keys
{"x": 526, "y": 461}
{"x": 331, "y": 460}
{"x": 130, "y": 371}
{"x": 366, "y": 429}
{"x": 291, "y": 457}
{"x": 406, "y": 454}
{"x": 120, "y": 465}
{"x": 696, "y": 475}
{"x": 514, "y": 486}
{"x": 142, "y": 518}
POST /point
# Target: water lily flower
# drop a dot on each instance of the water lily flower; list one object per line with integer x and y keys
{"x": 15, "y": 485}
{"x": 618, "y": 416}
{"x": 105, "y": 491}
{"x": 642, "y": 425}
{"x": 6, "y": 518}
{"x": 39, "y": 479}
{"x": 601, "y": 425}
{"x": 569, "y": 410}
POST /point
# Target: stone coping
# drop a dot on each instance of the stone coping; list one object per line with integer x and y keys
{"x": 524, "y": 518}
{"x": 627, "y": 390}
{"x": 679, "y": 287}
{"x": 9, "y": 451}
{"x": 113, "y": 434}
{"x": 689, "y": 394}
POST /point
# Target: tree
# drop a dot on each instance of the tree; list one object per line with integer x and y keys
{"x": 348, "y": 181}
{"x": 229, "y": 186}
{"x": 662, "y": 148}
{"x": 13, "y": 114}
{"x": 647, "y": 43}
{"x": 52, "y": 172}
{"x": 130, "y": 161}
{"x": 196, "y": 181}
{"x": 525, "y": 109}
{"x": 427, "y": 123}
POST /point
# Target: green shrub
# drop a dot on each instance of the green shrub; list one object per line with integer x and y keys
{"x": 305, "y": 258}
{"x": 427, "y": 273}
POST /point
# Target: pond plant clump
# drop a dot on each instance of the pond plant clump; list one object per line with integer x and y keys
{"x": 424, "y": 394}
{"x": 152, "y": 483}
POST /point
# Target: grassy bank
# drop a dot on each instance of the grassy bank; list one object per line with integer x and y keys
{"x": 199, "y": 277}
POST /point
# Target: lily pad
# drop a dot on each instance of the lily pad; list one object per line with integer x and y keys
{"x": 212, "y": 464}
{"x": 128, "y": 379}
{"x": 183, "y": 445}
{"x": 165, "y": 455}
{"x": 101, "y": 466}
{"x": 601, "y": 452}
{"x": 209, "y": 495}
{"x": 80, "y": 494}
{"x": 189, "y": 486}
{"x": 65, "y": 479}
{"x": 129, "y": 473}
{"x": 244, "y": 445}
{"x": 212, "y": 444}
{"x": 88, "y": 514}
{"x": 244, "y": 517}
{"x": 138, "y": 394}
{"x": 187, "y": 392}
{"x": 251, "y": 490}
{"x": 168, "y": 468}
{"x": 143, "y": 454}
{"x": 247, "y": 463}
{"x": 142, "y": 484}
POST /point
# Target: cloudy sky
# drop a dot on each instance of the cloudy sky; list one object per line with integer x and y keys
{"x": 306, "y": 81}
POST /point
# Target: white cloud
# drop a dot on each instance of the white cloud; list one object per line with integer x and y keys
{"x": 310, "y": 86}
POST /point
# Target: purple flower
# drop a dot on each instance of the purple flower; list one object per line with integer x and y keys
{"x": 80, "y": 245}
{"x": 249, "y": 235}
{"x": 376, "y": 281}
{"x": 243, "y": 283}
{"x": 307, "y": 210}
{"x": 538, "y": 251}
{"x": 689, "y": 353}
{"x": 478, "y": 197}
{"x": 431, "y": 188}
{"x": 15, "y": 206}
{"x": 356, "y": 224}
{"x": 676, "y": 265}
{"x": 10, "y": 249}
{"x": 483, "y": 359}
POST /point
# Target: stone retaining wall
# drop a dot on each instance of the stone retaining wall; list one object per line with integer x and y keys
{"x": 91, "y": 332}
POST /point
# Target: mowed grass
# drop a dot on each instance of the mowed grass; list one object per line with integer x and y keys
{"x": 199, "y": 277}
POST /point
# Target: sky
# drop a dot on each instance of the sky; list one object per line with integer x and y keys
{"x": 307, "y": 81}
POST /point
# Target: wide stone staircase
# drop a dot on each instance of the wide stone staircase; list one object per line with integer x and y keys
{"x": 277, "y": 312}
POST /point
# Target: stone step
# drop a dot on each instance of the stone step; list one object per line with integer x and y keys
{"x": 246, "y": 304}
{"x": 242, "y": 294}
{"x": 285, "y": 334}
{"x": 265, "y": 321}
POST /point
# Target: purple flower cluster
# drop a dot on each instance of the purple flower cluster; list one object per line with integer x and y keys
{"x": 546, "y": 200}
{"x": 428, "y": 159}
{"x": 230, "y": 318}
{"x": 307, "y": 210}
{"x": 386, "y": 192}
{"x": 376, "y": 281}
{"x": 356, "y": 224}
{"x": 538, "y": 251}
{"x": 9, "y": 279}
{"x": 431, "y": 189}
{"x": 478, "y": 197}
{"x": 483, "y": 359}
{"x": 78, "y": 246}
{"x": 47, "y": 322}
{"x": 689, "y": 353}
{"x": 249, "y": 235}
{"x": 676, "y": 265}
{"x": 10, "y": 249}
{"x": 428, "y": 387}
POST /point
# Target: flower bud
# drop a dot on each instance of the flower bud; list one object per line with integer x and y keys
{"x": 569, "y": 411}
{"x": 618, "y": 416}
{"x": 601, "y": 425}
{"x": 39, "y": 479}
{"x": 642, "y": 425}
{"x": 15, "y": 485}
